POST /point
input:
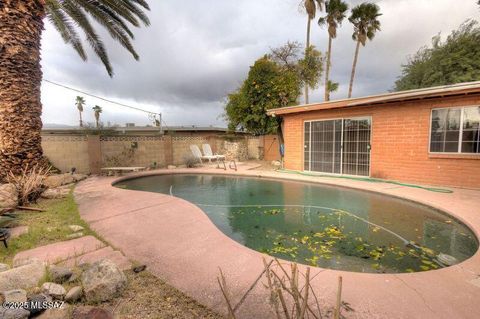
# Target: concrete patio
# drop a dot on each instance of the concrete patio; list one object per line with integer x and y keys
{"x": 179, "y": 244}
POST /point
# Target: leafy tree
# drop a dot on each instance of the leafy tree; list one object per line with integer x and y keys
{"x": 21, "y": 27}
{"x": 455, "y": 60}
{"x": 364, "y": 18}
{"x": 336, "y": 12}
{"x": 80, "y": 103}
{"x": 311, "y": 7}
{"x": 268, "y": 85}
{"x": 98, "y": 110}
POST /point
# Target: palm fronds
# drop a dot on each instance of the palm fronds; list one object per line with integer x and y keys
{"x": 114, "y": 15}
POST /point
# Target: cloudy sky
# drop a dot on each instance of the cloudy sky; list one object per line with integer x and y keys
{"x": 196, "y": 52}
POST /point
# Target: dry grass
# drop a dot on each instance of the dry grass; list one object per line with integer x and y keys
{"x": 148, "y": 297}
{"x": 29, "y": 183}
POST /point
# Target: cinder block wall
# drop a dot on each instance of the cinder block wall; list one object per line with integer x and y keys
{"x": 400, "y": 143}
{"x": 89, "y": 154}
{"x": 67, "y": 151}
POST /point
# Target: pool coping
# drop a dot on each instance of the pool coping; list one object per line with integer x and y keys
{"x": 417, "y": 295}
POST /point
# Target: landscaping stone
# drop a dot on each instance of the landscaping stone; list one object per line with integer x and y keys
{"x": 14, "y": 313}
{"x": 18, "y": 231}
{"x": 87, "y": 312}
{"x": 171, "y": 167}
{"x": 74, "y": 294}
{"x": 38, "y": 298}
{"x": 53, "y": 193}
{"x": 56, "y": 313}
{"x": 17, "y": 295}
{"x": 8, "y": 196}
{"x": 54, "y": 290}
{"x": 54, "y": 181}
{"x": 60, "y": 274}
{"x": 23, "y": 277}
{"x": 276, "y": 163}
{"x": 103, "y": 281}
{"x": 75, "y": 228}
{"x": 4, "y": 267}
{"x": 75, "y": 235}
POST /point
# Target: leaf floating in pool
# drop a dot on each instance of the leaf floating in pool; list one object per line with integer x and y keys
{"x": 272, "y": 212}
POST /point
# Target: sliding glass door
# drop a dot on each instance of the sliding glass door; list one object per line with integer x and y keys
{"x": 340, "y": 146}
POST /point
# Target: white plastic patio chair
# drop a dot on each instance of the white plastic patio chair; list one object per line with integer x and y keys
{"x": 207, "y": 150}
{"x": 198, "y": 154}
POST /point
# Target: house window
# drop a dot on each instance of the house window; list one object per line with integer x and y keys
{"x": 455, "y": 130}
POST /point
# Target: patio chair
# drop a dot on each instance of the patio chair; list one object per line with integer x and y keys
{"x": 198, "y": 154}
{"x": 207, "y": 150}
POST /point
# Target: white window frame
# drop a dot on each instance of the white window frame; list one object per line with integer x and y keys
{"x": 460, "y": 135}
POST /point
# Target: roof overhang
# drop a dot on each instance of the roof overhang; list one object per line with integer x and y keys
{"x": 471, "y": 88}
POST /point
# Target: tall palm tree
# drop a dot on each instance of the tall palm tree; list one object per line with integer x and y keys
{"x": 311, "y": 10}
{"x": 80, "y": 103}
{"x": 335, "y": 13}
{"x": 97, "y": 109}
{"x": 364, "y": 18}
{"x": 22, "y": 23}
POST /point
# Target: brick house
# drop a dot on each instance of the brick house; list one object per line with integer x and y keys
{"x": 427, "y": 136}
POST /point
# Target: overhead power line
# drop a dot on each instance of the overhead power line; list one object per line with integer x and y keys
{"x": 100, "y": 98}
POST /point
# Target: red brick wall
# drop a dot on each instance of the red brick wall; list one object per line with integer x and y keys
{"x": 400, "y": 143}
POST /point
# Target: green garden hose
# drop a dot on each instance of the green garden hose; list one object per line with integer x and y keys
{"x": 367, "y": 179}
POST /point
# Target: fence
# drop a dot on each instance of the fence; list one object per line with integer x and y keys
{"x": 88, "y": 153}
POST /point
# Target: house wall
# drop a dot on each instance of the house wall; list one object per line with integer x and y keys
{"x": 400, "y": 143}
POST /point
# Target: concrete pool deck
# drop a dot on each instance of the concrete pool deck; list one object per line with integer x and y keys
{"x": 179, "y": 244}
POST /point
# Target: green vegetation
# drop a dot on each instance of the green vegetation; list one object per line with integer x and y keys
{"x": 455, "y": 60}
{"x": 364, "y": 18}
{"x": 267, "y": 86}
{"x": 45, "y": 227}
{"x": 336, "y": 12}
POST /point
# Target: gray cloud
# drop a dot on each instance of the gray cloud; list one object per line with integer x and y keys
{"x": 196, "y": 52}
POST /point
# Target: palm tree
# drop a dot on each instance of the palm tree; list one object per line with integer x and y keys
{"x": 365, "y": 22}
{"x": 335, "y": 10}
{"x": 97, "y": 109}
{"x": 311, "y": 10}
{"x": 80, "y": 103}
{"x": 22, "y": 23}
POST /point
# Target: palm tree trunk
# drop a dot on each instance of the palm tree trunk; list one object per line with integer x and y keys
{"x": 327, "y": 71}
{"x": 81, "y": 121}
{"x": 355, "y": 59}
{"x": 20, "y": 78}
{"x": 306, "y": 47}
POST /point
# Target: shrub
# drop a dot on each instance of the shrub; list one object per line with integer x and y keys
{"x": 190, "y": 161}
{"x": 29, "y": 183}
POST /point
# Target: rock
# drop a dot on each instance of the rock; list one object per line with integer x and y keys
{"x": 79, "y": 177}
{"x": 56, "y": 313}
{"x": 25, "y": 276}
{"x": 54, "y": 290}
{"x": 17, "y": 295}
{"x": 54, "y": 181}
{"x": 60, "y": 274}
{"x": 75, "y": 228}
{"x": 36, "y": 299}
{"x": 276, "y": 163}
{"x": 171, "y": 167}
{"x": 74, "y": 294}
{"x": 14, "y": 313}
{"x": 18, "y": 231}
{"x": 8, "y": 196}
{"x": 103, "y": 281}
{"x": 4, "y": 267}
{"x": 87, "y": 312}
{"x": 138, "y": 269}
{"x": 52, "y": 193}
{"x": 75, "y": 235}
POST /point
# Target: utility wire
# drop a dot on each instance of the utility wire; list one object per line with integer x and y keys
{"x": 100, "y": 98}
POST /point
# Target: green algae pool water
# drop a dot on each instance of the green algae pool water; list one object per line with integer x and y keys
{"x": 320, "y": 225}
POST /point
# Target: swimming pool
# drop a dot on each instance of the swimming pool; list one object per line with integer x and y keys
{"x": 320, "y": 225}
